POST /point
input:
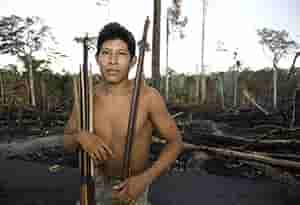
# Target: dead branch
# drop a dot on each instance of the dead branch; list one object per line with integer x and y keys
{"x": 252, "y": 100}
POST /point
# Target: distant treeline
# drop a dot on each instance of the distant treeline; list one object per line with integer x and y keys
{"x": 54, "y": 91}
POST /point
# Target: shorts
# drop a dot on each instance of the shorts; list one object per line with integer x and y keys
{"x": 103, "y": 192}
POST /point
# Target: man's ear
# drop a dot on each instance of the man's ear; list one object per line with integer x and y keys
{"x": 133, "y": 61}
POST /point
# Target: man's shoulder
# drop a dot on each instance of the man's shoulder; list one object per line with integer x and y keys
{"x": 153, "y": 96}
{"x": 151, "y": 92}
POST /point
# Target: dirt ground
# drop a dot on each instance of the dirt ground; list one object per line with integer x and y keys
{"x": 29, "y": 180}
{"x": 31, "y": 183}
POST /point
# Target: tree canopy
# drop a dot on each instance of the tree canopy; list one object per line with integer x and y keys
{"x": 278, "y": 42}
{"x": 175, "y": 18}
{"x": 23, "y": 36}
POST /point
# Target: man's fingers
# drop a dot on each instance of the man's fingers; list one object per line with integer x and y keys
{"x": 103, "y": 154}
{"x": 120, "y": 186}
{"x": 107, "y": 149}
{"x": 123, "y": 193}
{"x": 97, "y": 149}
{"x": 98, "y": 155}
{"x": 91, "y": 155}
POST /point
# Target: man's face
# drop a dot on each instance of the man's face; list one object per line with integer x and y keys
{"x": 114, "y": 61}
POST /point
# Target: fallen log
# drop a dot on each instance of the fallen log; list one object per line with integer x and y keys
{"x": 276, "y": 143}
{"x": 246, "y": 156}
{"x": 273, "y": 172}
{"x": 251, "y": 142}
{"x": 293, "y": 157}
{"x": 20, "y": 148}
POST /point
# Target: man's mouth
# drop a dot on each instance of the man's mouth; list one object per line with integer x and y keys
{"x": 112, "y": 72}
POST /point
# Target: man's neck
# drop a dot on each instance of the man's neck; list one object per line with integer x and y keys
{"x": 120, "y": 89}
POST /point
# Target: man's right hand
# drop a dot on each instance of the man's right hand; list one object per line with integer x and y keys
{"x": 94, "y": 146}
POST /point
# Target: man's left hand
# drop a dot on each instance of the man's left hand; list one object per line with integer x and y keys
{"x": 131, "y": 189}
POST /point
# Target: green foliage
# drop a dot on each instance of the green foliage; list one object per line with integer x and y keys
{"x": 23, "y": 36}
{"x": 10, "y": 73}
{"x": 59, "y": 87}
{"x": 278, "y": 42}
{"x": 175, "y": 22}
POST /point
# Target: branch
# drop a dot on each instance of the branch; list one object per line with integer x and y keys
{"x": 293, "y": 68}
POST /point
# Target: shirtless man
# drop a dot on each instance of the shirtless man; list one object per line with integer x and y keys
{"x": 115, "y": 56}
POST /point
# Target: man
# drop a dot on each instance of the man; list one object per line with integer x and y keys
{"x": 115, "y": 56}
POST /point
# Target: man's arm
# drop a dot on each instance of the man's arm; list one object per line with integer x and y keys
{"x": 131, "y": 188}
{"x": 89, "y": 142}
{"x": 167, "y": 128}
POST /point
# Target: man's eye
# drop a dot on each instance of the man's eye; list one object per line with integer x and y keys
{"x": 123, "y": 53}
{"x": 104, "y": 52}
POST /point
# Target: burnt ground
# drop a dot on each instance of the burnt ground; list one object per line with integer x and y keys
{"x": 30, "y": 183}
{"x": 29, "y": 180}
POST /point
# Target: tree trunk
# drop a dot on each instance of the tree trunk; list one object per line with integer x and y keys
{"x": 252, "y": 156}
{"x": 197, "y": 90}
{"x": 203, "y": 87}
{"x": 43, "y": 96}
{"x": 235, "y": 94}
{"x": 252, "y": 100}
{"x": 275, "y": 78}
{"x": 203, "y": 84}
{"x": 156, "y": 44}
{"x": 296, "y": 108}
{"x": 1, "y": 89}
{"x": 31, "y": 82}
{"x": 222, "y": 98}
{"x": 275, "y": 88}
{"x": 167, "y": 59}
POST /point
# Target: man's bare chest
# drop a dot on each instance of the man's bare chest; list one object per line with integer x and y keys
{"x": 112, "y": 116}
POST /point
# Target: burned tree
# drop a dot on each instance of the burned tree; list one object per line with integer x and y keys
{"x": 280, "y": 44}
{"x": 175, "y": 24}
{"x": 23, "y": 38}
{"x": 156, "y": 43}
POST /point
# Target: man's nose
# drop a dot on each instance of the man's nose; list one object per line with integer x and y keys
{"x": 114, "y": 58}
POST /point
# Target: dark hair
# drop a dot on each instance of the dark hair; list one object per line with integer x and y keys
{"x": 112, "y": 31}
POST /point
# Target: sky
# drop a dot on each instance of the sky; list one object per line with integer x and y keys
{"x": 232, "y": 22}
